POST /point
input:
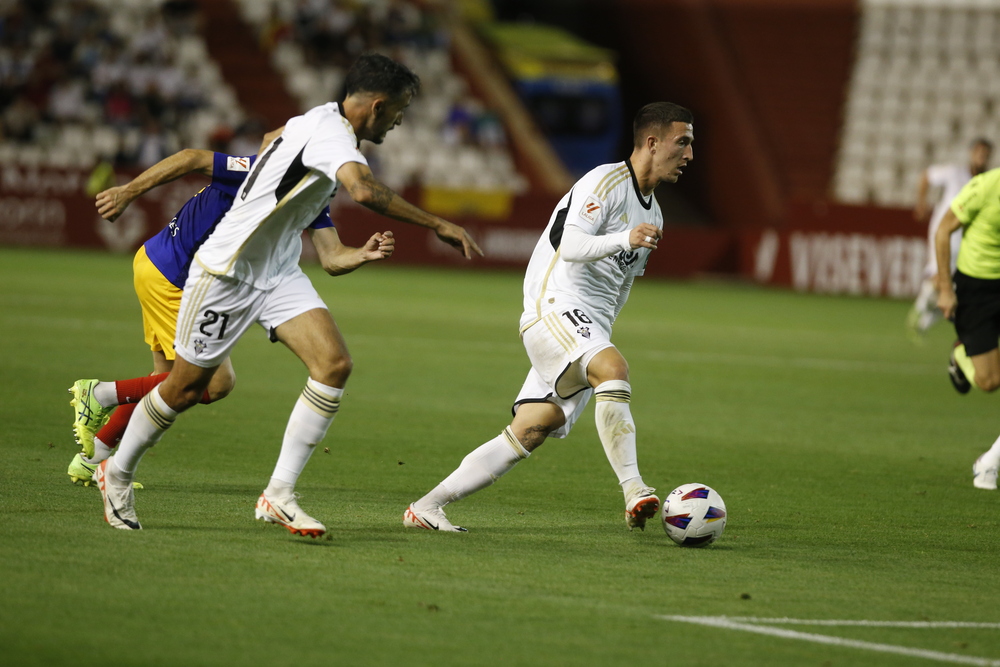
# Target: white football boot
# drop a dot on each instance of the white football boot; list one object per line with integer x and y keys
{"x": 641, "y": 506}
{"x": 119, "y": 498}
{"x": 433, "y": 519}
{"x": 983, "y": 477}
{"x": 286, "y": 511}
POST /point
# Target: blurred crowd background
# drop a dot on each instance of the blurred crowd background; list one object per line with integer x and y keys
{"x": 810, "y": 114}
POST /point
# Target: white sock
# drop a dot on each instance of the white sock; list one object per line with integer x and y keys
{"x": 106, "y": 393}
{"x": 311, "y": 417}
{"x": 483, "y": 466}
{"x": 147, "y": 425}
{"x": 101, "y": 452}
{"x": 617, "y": 432}
{"x": 926, "y": 305}
{"x": 992, "y": 456}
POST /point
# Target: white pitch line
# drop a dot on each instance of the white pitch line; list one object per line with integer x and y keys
{"x": 871, "y": 624}
{"x": 729, "y": 624}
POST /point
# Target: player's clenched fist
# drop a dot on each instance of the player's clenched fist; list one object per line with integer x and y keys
{"x": 645, "y": 236}
{"x": 112, "y": 202}
{"x": 380, "y": 246}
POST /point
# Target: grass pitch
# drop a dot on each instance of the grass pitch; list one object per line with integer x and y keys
{"x": 841, "y": 450}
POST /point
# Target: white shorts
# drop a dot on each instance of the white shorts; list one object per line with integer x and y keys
{"x": 560, "y": 349}
{"x": 216, "y": 311}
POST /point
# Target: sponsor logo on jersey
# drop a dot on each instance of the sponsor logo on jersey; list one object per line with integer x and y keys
{"x": 238, "y": 163}
{"x": 590, "y": 208}
{"x": 625, "y": 259}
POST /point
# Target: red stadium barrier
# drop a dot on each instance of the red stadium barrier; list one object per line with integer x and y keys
{"x": 40, "y": 206}
{"x": 837, "y": 249}
{"x": 49, "y": 207}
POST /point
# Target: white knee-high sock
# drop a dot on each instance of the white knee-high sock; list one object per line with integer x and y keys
{"x": 147, "y": 425}
{"x": 617, "y": 432}
{"x": 992, "y": 456}
{"x": 480, "y": 468}
{"x": 311, "y": 417}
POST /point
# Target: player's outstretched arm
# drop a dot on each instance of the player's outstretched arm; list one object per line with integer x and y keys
{"x": 947, "y": 301}
{"x": 112, "y": 202}
{"x": 363, "y": 188}
{"x": 338, "y": 259}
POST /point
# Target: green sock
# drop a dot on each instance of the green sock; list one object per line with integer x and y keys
{"x": 963, "y": 361}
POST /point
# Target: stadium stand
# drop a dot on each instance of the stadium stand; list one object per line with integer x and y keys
{"x": 124, "y": 80}
{"x": 926, "y": 81}
{"x": 450, "y": 138}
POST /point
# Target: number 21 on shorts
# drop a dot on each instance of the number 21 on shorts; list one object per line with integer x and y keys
{"x": 211, "y": 317}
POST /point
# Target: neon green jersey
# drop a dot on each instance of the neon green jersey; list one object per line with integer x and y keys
{"x": 977, "y": 207}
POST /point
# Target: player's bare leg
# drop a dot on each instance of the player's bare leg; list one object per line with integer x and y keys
{"x": 987, "y": 370}
{"x": 157, "y": 411}
{"x": 607, "y": 373}
{"x": 486, "y": 464}
{"x": 314, "y": 338}
{"x": 126, "y": 394}
{"x": 981, "y": 370}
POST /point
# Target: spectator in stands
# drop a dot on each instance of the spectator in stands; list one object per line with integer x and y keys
{"x": 155, "y": 145}
{"x": 68, "y": 99}
{"x": 246, "y": 140}
{"x": 19, "y": 120}
{"x": 68, "y": 62}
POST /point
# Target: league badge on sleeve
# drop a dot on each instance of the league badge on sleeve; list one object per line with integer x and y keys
{"x": 237, "y": 163}
{"x": 590, "y": 208}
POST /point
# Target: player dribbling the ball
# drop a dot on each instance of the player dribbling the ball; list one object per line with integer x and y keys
{"x": 597, "y": 241}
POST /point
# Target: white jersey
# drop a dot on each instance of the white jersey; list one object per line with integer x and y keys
{"x": 260, "y": 238}
{"x": 605, "y": 201}
{"x": 951, "y": 178}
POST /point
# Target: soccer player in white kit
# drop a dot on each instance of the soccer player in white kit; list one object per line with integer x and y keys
{"x": 951, "y": 178}
{"x": 247, "y": 271}
{"x": 597, "y": 241}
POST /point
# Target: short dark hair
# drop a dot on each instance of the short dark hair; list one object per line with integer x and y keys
{"x": 981, "y": 141}
{"x": 375, "y": 73}
{"x": 660, "y": 115}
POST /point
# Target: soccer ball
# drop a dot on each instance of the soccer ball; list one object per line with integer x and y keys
{"x": 694, "y": 515}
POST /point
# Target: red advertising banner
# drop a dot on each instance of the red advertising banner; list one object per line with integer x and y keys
{"x": 839, "y": 250}
{"x": 50, "y": 207}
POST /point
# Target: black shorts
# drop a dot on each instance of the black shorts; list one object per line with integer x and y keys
{"x": 977, "y": 317}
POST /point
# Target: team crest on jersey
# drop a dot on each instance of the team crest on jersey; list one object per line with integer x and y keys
{"x": 584, "y": 331}
{"x": 199, "y": 345}
{"x": 590, "y": 209}
{"x": 238, "y": 163}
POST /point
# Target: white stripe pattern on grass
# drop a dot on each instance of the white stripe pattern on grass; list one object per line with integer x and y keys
{"x": 733, "y": 624}
{"x": 863, "y": 623}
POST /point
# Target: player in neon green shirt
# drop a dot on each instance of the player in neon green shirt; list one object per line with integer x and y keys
{"x": 971, "y": 298}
